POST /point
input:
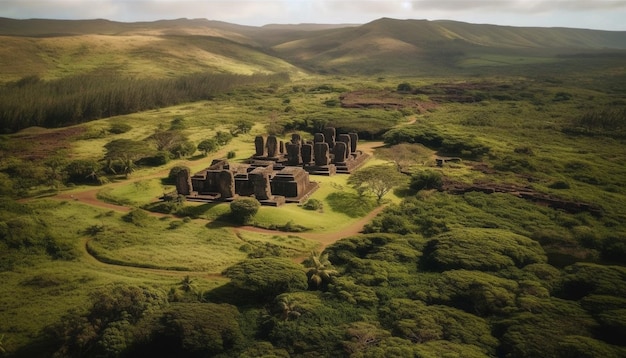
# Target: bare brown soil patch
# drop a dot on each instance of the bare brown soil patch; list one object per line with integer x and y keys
{"x": 34, "y": 145}
{"x": 524, "y": 192}
{"x": 384, "y": 100}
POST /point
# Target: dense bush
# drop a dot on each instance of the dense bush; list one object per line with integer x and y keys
{"x": 467, "y": 146}
{"x": 419, "y": 323}
{"x": 243, "y": 209}
{"x": 480, "y": 249}
{"x": 267, "y": 277}
{"x": 106, "y": 329}
{"x": 192, "y": 330}
{"x": 138, "y": 217}
{"x": 119, "y": 128}
{"x": 313, "y": 204}
{"x": 426, "y": 179}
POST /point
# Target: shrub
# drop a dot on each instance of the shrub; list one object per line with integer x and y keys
{"x": 138, "y": 217}
{"x": 559, "y": 184}
{"x": 427, "y": 179}
{"x": 404, "y": 87}
{"x": 161, "y": 157}
{"x": 244, "y": 209}
{"x": 313, "y": 204}
{"x": 118, "y": 128}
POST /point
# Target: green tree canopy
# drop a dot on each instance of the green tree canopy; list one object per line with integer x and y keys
{"x": 197, "y": 330}
{"x": 377, "y": 179}
{"x": 243, "y": 126}
{"x": 124, "y": 153}
{"x": 320, "y": 270}
{"x": 208, "y": 145}
{"x": 267, "y": 277}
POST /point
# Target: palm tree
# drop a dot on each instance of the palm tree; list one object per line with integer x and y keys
{"x": 320, "y": 272}
{"x": 187, "y": 285}
{"x": 287, "y": 308}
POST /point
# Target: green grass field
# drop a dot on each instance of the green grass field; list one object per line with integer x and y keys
{"x": 523, "y": 108}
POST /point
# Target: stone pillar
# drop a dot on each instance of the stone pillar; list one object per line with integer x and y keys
{"x": 259, "y": 146}
{"x": 281, "y": 146}
{"x": 272, "y": 146}
{"x": 226, "y": 184}
{"x": 183, "y": 182}
{"x": 345, "y": 138}
{"x": 296, "y": 138}
{"x": 321, "y": 153}
{"x": 341, "y": 152}
{"x": 293, "y": 154}
{"x": 318, "y": 138}
{"x": 354, "y": 139}
{"x": 260, "y": 179}
{"x": 307, "y": 153}
{"x": 329, "y": 136}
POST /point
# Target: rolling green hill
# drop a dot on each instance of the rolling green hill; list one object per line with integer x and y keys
{"x": 398, "y": 46}
{"x": 55, "y": 48}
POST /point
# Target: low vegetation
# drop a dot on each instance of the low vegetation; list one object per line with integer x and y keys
{"x": 501, "y": 230}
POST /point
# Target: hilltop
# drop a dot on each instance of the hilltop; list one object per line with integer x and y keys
{"x": 56, "y": 48}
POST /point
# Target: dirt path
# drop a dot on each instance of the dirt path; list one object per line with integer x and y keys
{"x": 89, "y": 196}
{"x": 324, "y": 239}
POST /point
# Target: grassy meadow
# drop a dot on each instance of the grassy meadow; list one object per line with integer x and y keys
{"x": 526, "y": 260}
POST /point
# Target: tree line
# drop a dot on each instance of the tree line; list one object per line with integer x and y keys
{"x": 32, "y": 101}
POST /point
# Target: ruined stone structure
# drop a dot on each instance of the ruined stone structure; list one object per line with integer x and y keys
{"x": 327, "y": 154}
{"x": 278, "y": 172}
{"x": 224, "y": 182}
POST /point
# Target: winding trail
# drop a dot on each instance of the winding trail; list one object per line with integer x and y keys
{"x": 90, "y": 197}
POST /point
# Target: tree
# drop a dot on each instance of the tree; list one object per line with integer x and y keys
{"x": 377, "y": 179}
{"x": 184, "y": 148}
{"x": 167, "y": 140}
{"x": 187, "y": 285}
{"x": 54, "y": 165}
{"x": 124, "y": 153}
{"x": 267, "y": 277}
{"x": 320, "y": 270}
{"x": 208, "y": 145}
{"x": 243, "y": 126}
{"x": 223, "y": 138}
{"x": 243, "y": 209}
{"x": 197, "y": 330}
{"x": 83, "y": 171}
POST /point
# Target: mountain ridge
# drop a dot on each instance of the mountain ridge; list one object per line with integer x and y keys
{"x": 379, "y": 46}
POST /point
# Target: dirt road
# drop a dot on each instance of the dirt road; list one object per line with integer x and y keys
{"x": 90, "y": 197}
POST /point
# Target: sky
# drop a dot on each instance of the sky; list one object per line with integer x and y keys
{"x": 589, "y": 14}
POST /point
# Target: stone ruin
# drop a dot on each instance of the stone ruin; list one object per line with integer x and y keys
{"x": 278, "y": 173}
{"x": 224, "y": 182}
{"x": 326, "y": 154}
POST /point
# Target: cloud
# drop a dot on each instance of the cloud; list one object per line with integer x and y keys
{"x": 527, "y": 6}
{"x": 593, "y": 13}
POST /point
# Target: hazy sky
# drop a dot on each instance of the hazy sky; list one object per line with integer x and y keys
{"x": 593, "y": 14}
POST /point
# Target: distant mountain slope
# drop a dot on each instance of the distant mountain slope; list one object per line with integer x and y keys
{"x": 53, "y": 48}
{"x": 420, "y": 31}
{"x": 58, "y": 48}
{"x": 406, "y": 45}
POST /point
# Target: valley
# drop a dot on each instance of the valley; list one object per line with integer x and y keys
{"x": 504, "y": 236}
